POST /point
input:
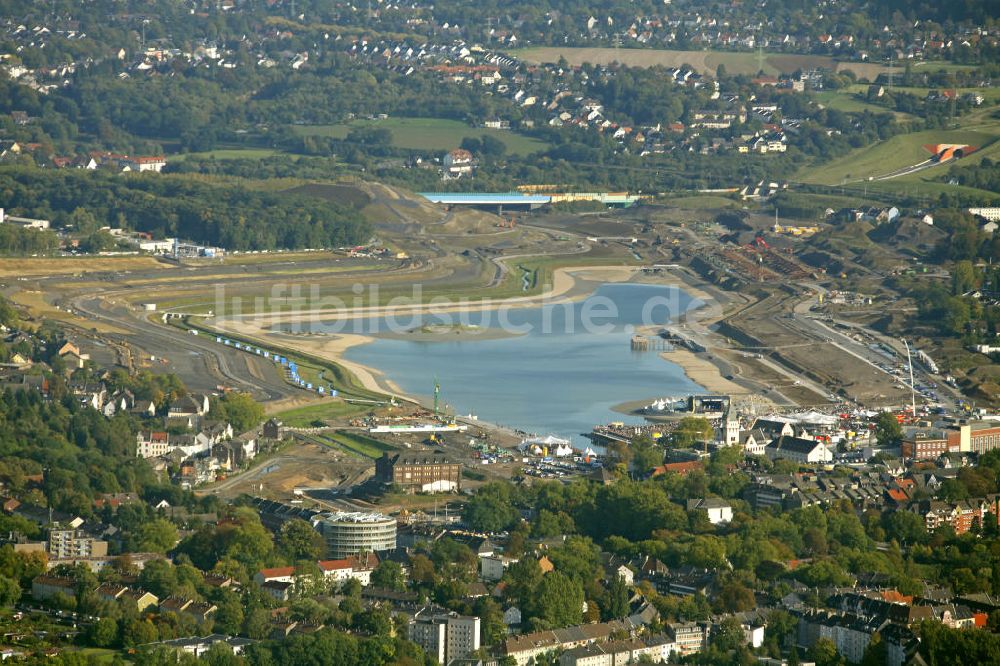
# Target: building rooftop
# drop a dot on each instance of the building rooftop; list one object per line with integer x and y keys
{"x": 356, "y": 517}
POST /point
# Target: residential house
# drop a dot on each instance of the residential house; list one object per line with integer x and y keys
{"x": 189, "y": 405}
{"x": 458, "y": 163}
{"x": 200, "y": 646}
{"x": 152, "y": 444}
{"x": 800, "y": 450}
{"x": 278, "y": 590}
{"x": 526, "y": 647}
{"x": 272, "y": 429}
{"x": 45, "y": 587}
{"x": 718, "y": 510}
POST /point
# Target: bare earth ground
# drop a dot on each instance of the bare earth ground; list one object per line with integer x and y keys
{"x": 46, "y": 266}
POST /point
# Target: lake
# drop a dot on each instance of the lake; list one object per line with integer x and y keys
{"x": 561, "y": 377}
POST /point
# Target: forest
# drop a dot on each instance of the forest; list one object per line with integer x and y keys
{"x": 203, "y": 210}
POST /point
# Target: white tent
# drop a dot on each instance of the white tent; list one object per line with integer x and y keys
{"x": 551, "y": 441}
{"x": 815, "y": 418}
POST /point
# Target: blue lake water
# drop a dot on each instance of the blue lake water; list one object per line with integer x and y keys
{"x": 559, "y": 377}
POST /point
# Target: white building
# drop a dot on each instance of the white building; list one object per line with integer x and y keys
{"x": 797, "y": 449}
{"x": 351, "y": 533}
{"x": 458, "y": 163}
{"x": 446, "y": 636}
{"x": 493, "y": 566}
{"x": 719, "y": 511}
{"x": 155, "y": 163}
{"x": 992, "y": 213}
{"x": 152, "y": 444}
{"x": 25, "y": 222}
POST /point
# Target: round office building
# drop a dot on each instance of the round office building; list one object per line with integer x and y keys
{"x": 350, "y": 533}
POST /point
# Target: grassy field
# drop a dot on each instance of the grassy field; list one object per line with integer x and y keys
{"x": 431, "y": 134}
{"x": 846, "y": 101}
{"x": 308, "y": 417}
{"x": 357, "y": 443}
{"x": 226, "y": 154}
{"x": 896, "y": 153}
{"x": 990, "y": 95}
{"x": 704, "y": 62}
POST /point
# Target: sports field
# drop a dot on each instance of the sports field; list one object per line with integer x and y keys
{"x": 704, "y": 62}
{"x": 428, "y": 134}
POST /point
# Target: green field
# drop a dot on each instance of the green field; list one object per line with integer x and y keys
{"x": 307, "y": 417}
{"x": 704, "y": 62}
{"x": 431, "y": 134}
{"x": 897, "y": 153}
{"x": 356, "y": 443}
{"x": 226, "y": 154}
{"x": 990, "y": 95}
{"x": 846, "y": 101}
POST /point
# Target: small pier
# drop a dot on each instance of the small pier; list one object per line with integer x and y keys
{"x": 644, "y": 343}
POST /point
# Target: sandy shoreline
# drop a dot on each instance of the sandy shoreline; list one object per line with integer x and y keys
{"x": 566, "y": 287}
{"x": 703, "y": 372}
{"x": 260, "y": 329}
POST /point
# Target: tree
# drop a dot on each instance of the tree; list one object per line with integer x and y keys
{"x": 824, "y": 653}
{"x": 158, "y": 536}
{"x": 10, "y": 591}
{"x": 422, "y": 570}
{"x": 299, "y": 541}
{"x": 239, "y": 409}
{"x": 728, "y": 635}
{"x": 390, "y": 575}
{"x": 645, "y": 455}
{"x": 490, "y": 510}
{"x": 159, "y": 577}
{"x": 523, "y": 578}
{"x": 616, "y": 605}
{"x": 906, "y": 527}
{"x": 692, "y": 430}
{"x": 229, "y": 617}
{"x": 257, "y": 623}
{"x": 138, "y": 632}
{"x": 103, "y": 633}
{"x": 558, "y": 602}
{"x": 888, "y": 431}
{"x": 708, "y": 552}
{"x": 734, "y": 597}
{"x": 876, "y": 653}
{"x": 492, "y": 147}
{"x": 963, "y": 277}
{"x": 98, "y": 241}
{"x": 471, "y": 144}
